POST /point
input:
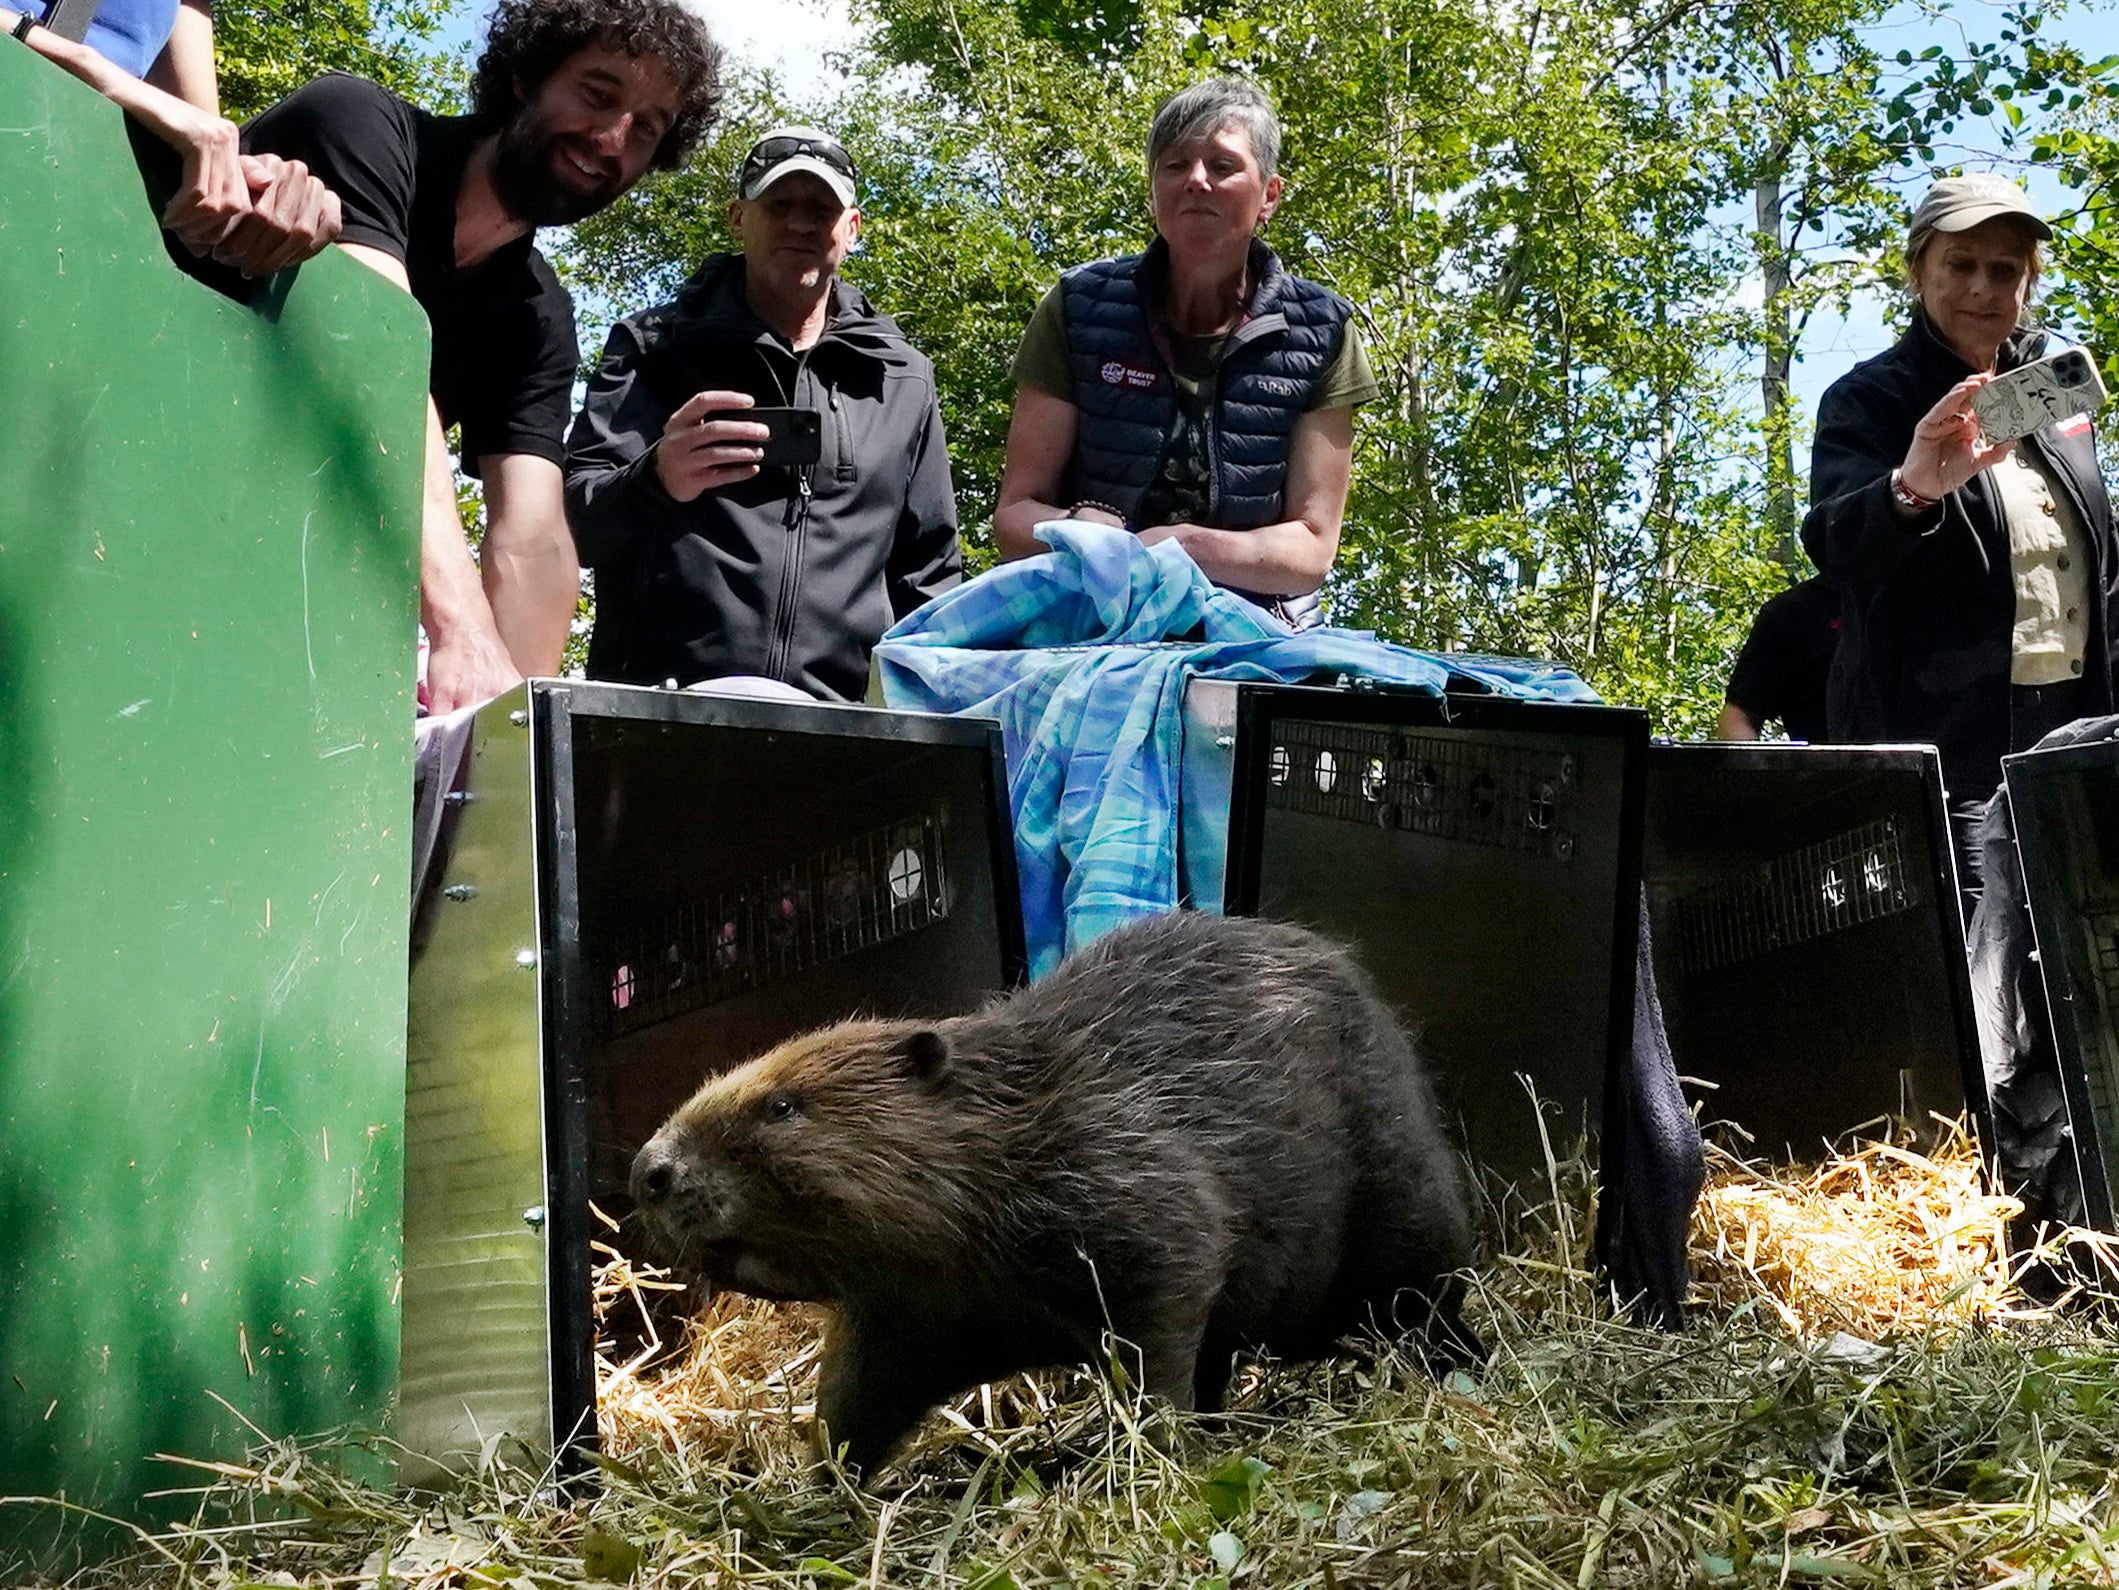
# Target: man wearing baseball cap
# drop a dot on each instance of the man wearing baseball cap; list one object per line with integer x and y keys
{"x": 709, "y": 560}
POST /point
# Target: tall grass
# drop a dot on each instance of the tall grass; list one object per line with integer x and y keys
{"x": 1862, "y": 1395}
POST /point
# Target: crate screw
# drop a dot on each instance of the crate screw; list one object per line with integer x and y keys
{"x": 460, "y": 797}
{"x": 519, "y": 718}
{"x": 459, "y": 891}
{"x": 526, "y": 959}
{"x": 1222, "y": 742}
{"x": 533, "y": 1217}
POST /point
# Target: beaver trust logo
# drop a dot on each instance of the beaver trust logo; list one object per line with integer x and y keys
{"x": 1116, "y": 372}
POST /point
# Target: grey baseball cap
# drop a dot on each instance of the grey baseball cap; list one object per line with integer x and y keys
{"x": 1957, "y": 204}
{"x": 785, "y": 150}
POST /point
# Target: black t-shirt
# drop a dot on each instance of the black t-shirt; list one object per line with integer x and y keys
{"x": 504, "y": 343}
{"x": 1780, "y": 673}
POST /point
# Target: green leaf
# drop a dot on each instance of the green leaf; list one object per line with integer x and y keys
{"x": 608, "y": 1556}
{"x": 1813, "y": 1566}
{"x": 1234, "y": 1487}
{"x": 1225, "y": 1549}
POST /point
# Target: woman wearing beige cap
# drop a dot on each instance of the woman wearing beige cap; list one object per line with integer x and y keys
{"x": 1977, "y": 583}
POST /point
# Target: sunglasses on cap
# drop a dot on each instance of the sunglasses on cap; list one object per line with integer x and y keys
{"x": 769, "y": 152}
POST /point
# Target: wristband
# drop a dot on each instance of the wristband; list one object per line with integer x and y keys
{"x": 1906, "y": 497}
{"x": 23, "y": 24}
{"x": 1101, "y": 507}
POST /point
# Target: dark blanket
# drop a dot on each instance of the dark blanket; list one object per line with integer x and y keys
{"x": 1654, "y": 1164}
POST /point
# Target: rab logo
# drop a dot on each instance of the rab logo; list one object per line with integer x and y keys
{"x": 1118, "y": 373}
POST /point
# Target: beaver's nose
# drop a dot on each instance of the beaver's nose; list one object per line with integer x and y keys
{"x": 654, "y": 1173}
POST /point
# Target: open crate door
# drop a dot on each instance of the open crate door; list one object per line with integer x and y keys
{"x": 2065, "y": 803}
{"x": 644, "y": 887}
{"x": 1482, "y": 857}
{"x": 1809, "y": 948}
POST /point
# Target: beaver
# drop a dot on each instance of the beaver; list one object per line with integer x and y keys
{"x": 1200, "y": 1134}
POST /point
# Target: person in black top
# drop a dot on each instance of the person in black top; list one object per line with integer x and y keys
{"x": 572, "y": 102}
{"x": 1781, "y": 670}
{"x": 709, "y": 561}
{"x": 1980, "y": 598}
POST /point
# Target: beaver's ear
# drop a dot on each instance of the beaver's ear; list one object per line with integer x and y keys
{"x": 926, "y": 1055}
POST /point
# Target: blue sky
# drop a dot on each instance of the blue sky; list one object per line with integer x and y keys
{"x": 1834, "y": 345}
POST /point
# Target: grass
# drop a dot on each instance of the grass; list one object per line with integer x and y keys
{"x": 1863, "y": 1396}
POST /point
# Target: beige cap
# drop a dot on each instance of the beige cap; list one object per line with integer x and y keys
{"x": 1957, "y": 204}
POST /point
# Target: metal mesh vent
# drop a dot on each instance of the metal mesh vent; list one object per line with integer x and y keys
{"x": 1823, "y": 888}
{"x": 863, "y": 892}
{"x": 1473, "y": 791}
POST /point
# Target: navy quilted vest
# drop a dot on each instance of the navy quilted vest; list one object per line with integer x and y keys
{"x": 1126, "y": 399}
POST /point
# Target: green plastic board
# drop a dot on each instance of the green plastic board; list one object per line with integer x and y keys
{"x": 208, "y": 586}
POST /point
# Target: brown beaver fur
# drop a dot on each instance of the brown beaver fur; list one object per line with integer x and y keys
{"x": 1202, "y": 1134}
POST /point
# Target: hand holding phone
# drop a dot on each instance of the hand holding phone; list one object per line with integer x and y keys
{"x": 2038, "y": 394}
{"x": 708, "y": 443}
{"x": 793, "y": 437}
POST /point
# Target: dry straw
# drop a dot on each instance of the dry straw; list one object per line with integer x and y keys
{"x": 1883, "y": 1241}
{"x": 1862, "y": 1395}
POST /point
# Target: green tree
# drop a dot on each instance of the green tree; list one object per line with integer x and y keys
{"x": 1557, "y": 225}
{"x": 266, "y": 49}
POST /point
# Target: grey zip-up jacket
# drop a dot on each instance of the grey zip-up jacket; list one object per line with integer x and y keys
{"x": 793, "y": 574}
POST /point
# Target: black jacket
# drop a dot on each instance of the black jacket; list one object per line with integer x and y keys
{"x": 1927, "y": 605}
{"x": 760, "y": 577}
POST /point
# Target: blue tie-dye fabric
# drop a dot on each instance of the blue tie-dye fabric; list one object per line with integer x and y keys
{"x": 1082, "y": 653}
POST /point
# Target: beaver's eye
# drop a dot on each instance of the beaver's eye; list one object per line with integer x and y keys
{"x": 780, "y": 1107}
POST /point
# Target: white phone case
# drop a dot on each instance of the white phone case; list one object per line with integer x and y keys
{"x": 2047, "y": 390}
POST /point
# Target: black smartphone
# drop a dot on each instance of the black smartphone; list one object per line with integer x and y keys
{"x": 797, "y": 434}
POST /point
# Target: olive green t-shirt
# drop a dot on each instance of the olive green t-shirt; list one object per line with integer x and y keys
{"x": 1041, "y": 362}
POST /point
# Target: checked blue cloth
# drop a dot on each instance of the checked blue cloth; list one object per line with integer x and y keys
{"x": 1082, "y": 653}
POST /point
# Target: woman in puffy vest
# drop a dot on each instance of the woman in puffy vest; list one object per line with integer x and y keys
{"x": 1197, "y": 391}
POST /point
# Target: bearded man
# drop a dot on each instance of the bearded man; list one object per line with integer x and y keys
{"x": 572, "y": 102}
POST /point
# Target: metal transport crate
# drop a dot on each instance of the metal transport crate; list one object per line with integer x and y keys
{"x": 643, "y": 887}
{"x": 1809, "y": 948}
{"x": 1481, "y": 854}
{"x": 2065, "y": 803}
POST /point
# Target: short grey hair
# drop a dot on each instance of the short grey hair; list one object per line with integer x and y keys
{"x": 1204, "y": 109}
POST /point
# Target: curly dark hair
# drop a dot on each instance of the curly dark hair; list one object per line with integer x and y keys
{"x": 528, "y": 40}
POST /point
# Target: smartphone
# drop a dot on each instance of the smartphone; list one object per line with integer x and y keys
{"x": 2057, "y": 387}
{"x": 797, "y": 435}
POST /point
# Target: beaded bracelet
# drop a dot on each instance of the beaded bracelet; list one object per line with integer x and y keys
{"x": 1906, "y": 497}
{"x": 1101, "y": 507}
